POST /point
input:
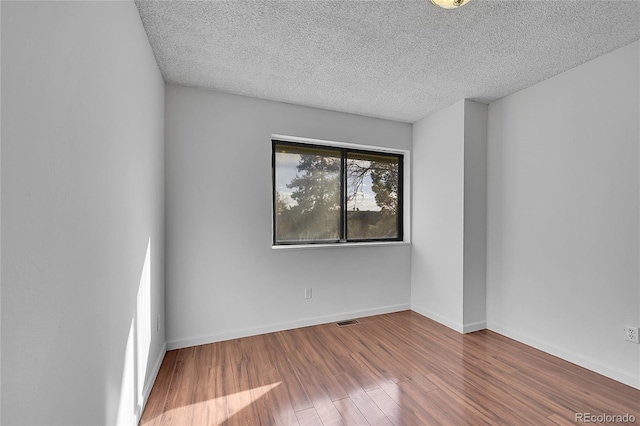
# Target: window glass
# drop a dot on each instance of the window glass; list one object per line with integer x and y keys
{"x": 332, "y": 195}
{"x": 307, "y": 195}
{"x": 372, "y": 196}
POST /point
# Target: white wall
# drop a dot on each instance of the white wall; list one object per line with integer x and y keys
{"x": 437, "y": 255}
{"x": 223, "y": 278}
{"x": 0, "y": 217}
{"x": 82, "y": 197}
{"x": 475, "y": 216}
{"x": 563, "y": 215}
{"x": 449, "y": 216}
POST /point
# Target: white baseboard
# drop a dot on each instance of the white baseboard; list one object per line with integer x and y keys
{"x": 474, "y": 326}
{"x": 254, "y": 331}
{"x": 454, "y": 325}
{"x": 606, "y": 370}
{"x": 150, "y": 380}
{"x": 460, "y": 328}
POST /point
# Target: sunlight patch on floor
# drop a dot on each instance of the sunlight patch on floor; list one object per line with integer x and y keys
{"x": 215, "y": 411}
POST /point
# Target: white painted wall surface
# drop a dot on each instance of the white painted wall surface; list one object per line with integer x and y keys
{"x": 223, "y": 278}
{"x": 0, "y": 215}
{"x": 563, "y": 215}
{"x": 475, "y": 216}
{"x": 437, "y": 256}
{"x": 449, "y": 209}
{"x": 82, "y": 200}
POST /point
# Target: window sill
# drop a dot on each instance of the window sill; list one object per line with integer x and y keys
{"x": 341, "y": 245}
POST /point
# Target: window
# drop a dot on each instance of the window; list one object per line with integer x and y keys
{"x": 327, "y": 194}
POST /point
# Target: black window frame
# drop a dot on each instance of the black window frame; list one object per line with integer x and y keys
{"x": 344, "y": 151}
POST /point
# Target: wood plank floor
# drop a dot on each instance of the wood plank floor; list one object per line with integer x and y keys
{"x": 394, "y": 369}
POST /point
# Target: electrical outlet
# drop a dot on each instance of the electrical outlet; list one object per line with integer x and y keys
{"x": 631, "y": 334}
{"x": 308, "y": 294}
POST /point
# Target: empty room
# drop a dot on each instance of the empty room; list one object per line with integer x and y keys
{"x": 416, "y": 212}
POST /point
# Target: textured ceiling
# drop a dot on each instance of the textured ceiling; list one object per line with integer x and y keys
{"x": 399, "y": 60}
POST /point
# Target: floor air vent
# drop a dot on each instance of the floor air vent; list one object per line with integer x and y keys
{"x": 347, "y": 323}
